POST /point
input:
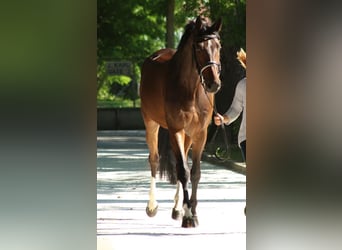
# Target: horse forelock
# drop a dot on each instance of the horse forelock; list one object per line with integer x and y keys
{"x": 205, "y": 31}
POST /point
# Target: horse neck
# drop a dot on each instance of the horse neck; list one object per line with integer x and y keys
{"x": 186, "y": 70}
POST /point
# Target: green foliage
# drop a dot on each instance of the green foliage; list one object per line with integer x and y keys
{"x": 127, "y": 30}
{"x": 130, "y": 29}
{"x": 116, "y": 88}
{"x": 118, "y": 102}
{"x": 233, "y": 14}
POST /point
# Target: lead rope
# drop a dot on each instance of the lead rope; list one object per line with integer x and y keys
{"x": 217, "y": 155}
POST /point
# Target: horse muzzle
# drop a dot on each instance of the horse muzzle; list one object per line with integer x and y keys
{"x": 213, "y": 85}
{"x": 212, "y": 88}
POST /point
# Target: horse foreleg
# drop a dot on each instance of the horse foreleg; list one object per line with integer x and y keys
{"x": 183, "y": 175}
{"x": 152, "y": 205}
{"x": 197, "y": 149}
{"x": 195, "y": 177}
{"x": 177, "y": 211}
{"x": 152, "y": 142}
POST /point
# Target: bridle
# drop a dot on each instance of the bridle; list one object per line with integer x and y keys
{"x": 200, "y": 69}
{"x": 209, "y": 63}
{"x": 200, "y": 72}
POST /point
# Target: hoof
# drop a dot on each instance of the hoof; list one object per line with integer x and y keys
{"x": 189, "y": 222}
{"x": 177, "y": 214}
{"x": 152, "y": 212}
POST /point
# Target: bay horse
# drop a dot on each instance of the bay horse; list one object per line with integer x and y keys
{"x": 177, "y": 93}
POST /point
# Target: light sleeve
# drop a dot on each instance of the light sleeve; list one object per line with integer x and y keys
{"x": 237, "y": 105}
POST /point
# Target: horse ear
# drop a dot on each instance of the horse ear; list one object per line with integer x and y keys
{"x": 217, "y": 25}
{"x": 198, "y": 24}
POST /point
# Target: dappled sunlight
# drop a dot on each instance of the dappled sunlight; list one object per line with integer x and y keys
{"x": 123, "y": 153}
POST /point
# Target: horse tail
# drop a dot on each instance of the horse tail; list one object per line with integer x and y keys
{"x": 167, "y": 159}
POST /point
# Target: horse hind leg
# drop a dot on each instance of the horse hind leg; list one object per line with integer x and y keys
{"x": 177, "y": 211}
{"x": 152, "y": 143}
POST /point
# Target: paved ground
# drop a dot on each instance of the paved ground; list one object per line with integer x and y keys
{"x": 122, "y": 193}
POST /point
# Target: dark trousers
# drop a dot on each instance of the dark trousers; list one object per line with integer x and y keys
{"x": 243, "y": 149}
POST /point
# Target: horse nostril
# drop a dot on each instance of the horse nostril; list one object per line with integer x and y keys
{"x": 214, "y": 88}
{"x": 218, "y": 86}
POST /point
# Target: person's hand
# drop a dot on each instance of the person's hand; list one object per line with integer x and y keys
{"x": 218, "y": 119}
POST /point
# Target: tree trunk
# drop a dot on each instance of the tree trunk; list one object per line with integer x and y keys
{"x": 170, "y": 24}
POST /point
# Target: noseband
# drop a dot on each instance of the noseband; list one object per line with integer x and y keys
{"x": 207, "y": 66}
{"x": 209, "y": 63}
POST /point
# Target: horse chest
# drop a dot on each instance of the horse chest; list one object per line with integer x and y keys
{"x": 188, "y": 119}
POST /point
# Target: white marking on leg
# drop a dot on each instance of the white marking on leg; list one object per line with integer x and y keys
{"x": 187, "y": 211}
{"x": 178, "y": 197}
{"x": 152, "y": 203}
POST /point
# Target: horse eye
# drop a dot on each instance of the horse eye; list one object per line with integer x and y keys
{"x": 200, "y": 45}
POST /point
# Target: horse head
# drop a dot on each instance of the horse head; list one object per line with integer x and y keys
{"x": 206, "y": 47}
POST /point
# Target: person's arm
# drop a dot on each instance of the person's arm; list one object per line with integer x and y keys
{"x": 237, "y": 105}
{"x": 235, "y": 108}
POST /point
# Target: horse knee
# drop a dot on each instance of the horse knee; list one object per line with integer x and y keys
{"x": 153, "y": 159}
{"x": 154, "y": 163}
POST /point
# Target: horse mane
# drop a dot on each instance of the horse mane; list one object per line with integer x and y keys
{"x": 187, "y": 32}
{"x": 206, "y": 22}
{"x": 241, "y": 56}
